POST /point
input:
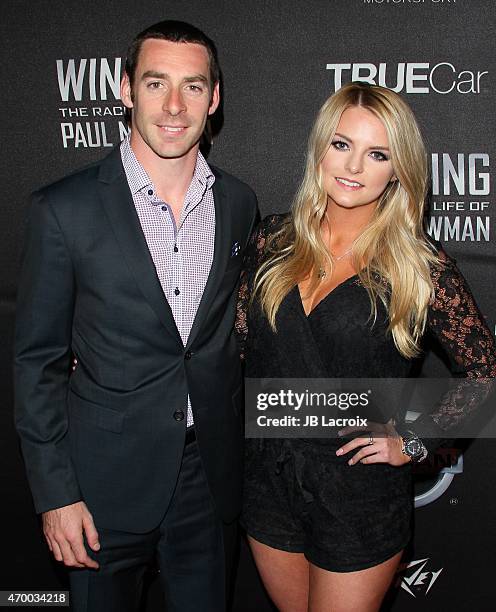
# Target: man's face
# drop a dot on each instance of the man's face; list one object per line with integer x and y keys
{"x": 171, "y": 98}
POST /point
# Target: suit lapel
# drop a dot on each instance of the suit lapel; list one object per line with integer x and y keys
{"x": 221, "y": 256}
{"x": 119, "y": 207}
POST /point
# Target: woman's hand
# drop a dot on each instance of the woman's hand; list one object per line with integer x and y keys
{"x": 382, "y": 444}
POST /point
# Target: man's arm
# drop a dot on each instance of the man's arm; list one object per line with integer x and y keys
{"x": 45, "y": 306}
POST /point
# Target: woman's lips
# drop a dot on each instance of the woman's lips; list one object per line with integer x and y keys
{"x": 347, "y": 184}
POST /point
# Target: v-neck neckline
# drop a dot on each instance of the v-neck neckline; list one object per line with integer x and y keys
{"x": 325, "y": 297}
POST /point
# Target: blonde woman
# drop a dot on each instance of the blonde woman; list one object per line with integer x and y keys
{"x": 348, "y": 285}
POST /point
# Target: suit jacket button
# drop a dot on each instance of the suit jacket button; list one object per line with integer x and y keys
{"x": 188, "y": 355}
{"x": 178, "y": 415}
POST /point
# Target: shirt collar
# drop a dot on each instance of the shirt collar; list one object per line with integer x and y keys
{"x": 139, "y": 180}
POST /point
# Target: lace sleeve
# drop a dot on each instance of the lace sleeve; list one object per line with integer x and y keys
{"x": 457, "y": 324}
{"x": 253, "y": 258}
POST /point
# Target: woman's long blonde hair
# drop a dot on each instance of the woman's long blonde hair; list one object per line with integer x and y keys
{"x": 392, "y": 248}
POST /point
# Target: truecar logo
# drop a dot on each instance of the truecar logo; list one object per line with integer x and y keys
{"x": 412, "y": 77}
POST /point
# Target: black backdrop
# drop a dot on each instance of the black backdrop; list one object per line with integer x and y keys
{"x": 280, "y": 60}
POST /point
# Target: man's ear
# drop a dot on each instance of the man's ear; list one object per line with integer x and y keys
{"x": 126, "y": 91}
{"x": 214, "y": 102}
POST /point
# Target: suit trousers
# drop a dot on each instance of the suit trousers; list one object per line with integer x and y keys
{"x": 188, "y": 546}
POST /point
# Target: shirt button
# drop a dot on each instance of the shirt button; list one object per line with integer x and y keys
{"x": 188, "y": 355}
{"x": 178, "y": 415}
{"x": 150, "y": 192}
{"x": 176, "y": 291}
{"x": 175, "y": 249}
{"x": 164, "y": 208}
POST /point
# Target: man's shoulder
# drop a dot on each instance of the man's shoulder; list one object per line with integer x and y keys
{"x": 232, "y": 182}
{"x": 77, "y": 184}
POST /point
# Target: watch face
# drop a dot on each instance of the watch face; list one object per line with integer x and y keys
{"x": 413, "y": 447}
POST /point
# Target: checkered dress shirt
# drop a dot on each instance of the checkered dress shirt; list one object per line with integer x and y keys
{"x": 182, "y": 253}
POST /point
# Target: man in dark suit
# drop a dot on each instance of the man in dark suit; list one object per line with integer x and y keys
{"x": 131, "y": 268}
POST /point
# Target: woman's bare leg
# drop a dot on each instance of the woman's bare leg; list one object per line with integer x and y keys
{"x": 361, "y": 591}
{"x": 284, "y": 574}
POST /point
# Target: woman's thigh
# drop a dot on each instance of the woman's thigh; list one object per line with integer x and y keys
{"x": 360, "y": 591}
{"x": 295, "y": 585}
{"x": 285, "y": 576}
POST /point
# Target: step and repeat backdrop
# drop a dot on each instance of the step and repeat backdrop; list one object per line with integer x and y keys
{"x": 61, "y": 67}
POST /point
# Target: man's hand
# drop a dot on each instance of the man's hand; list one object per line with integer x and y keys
{"x": 64, "y": 528}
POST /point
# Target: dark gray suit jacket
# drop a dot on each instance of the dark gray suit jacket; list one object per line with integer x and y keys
{"x": 108, "y": 434}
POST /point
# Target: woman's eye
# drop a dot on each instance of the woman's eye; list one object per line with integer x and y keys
{"x": 379, "y": 156}
{"x": 340, "y": 145}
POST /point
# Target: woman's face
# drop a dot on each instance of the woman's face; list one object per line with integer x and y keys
{"x": 357, "y": 167}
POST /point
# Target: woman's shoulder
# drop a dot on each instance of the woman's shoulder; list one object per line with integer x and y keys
{"x": 449, "y": 285}
{"x": 273, "y": 223}
{"x": 268, "y": 228}
{"x": 264, "y": 238}
{"x": 444, "y": 260}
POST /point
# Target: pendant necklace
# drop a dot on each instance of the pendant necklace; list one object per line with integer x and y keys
{"x": 322, "y": 272}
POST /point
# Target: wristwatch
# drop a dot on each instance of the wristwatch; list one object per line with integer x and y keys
{"x": 413, "y": 447}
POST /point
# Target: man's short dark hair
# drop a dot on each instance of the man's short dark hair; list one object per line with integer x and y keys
{"x": 173, "y": 31}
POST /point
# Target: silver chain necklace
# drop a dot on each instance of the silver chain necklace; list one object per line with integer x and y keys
{"x": 322, "y": 272}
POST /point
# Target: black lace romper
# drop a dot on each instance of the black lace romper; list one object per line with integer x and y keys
{"x": 298, "y": 495}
